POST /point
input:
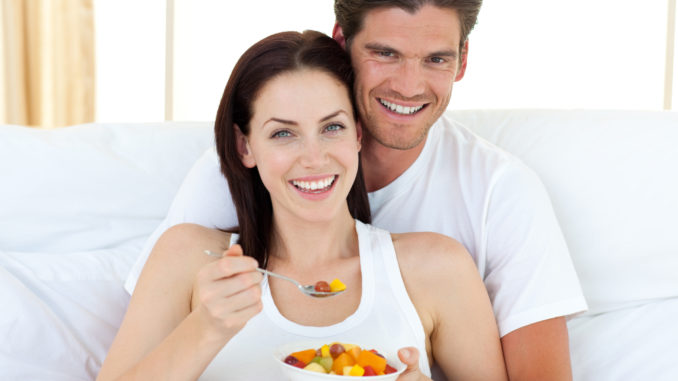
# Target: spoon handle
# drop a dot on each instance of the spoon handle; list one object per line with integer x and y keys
{"x": 278, "y": 276}
{"x": 213, "y": 254}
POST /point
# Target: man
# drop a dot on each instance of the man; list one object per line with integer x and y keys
{"x": 426, "y": 173}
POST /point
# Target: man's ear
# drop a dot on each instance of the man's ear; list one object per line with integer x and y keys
{"x": 359, "y": 132}
{"x": 338, "y": 35}
{"x": 462, "y": 62}
{"x": 243, "y": 146}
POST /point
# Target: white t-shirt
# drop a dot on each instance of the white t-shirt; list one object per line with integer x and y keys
{"x": 461, "y": 186}
{"x": 385, "y": 320}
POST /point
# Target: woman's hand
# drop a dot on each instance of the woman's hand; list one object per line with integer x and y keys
{"x": 228, "y": 292}
{"x": 410, "y": 357}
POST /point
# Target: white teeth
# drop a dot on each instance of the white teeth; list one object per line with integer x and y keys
{"x": 400, "y": 109}
{"x": 311, "y": 186}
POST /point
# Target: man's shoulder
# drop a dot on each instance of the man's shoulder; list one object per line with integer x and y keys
{"x": 449, "y": 131}
{"x": 454, "y": 143}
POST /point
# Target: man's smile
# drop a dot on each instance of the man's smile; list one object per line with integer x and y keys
{"x": 401, "y": 109}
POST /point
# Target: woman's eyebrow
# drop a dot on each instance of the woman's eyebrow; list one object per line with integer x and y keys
{"x": 332, "y": 115}
{"x": 294, "y": 123}
{"x": 282, "y": 121}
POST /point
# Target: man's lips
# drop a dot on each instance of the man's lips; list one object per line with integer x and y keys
{"x": 402, "y": 109}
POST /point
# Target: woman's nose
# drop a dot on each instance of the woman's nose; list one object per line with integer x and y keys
{"x": 314, "y": 153}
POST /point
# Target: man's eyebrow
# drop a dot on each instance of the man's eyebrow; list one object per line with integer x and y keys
{"x": 445, "y": 53}
{"x": 379, "y": 46}
{"x": 441, "y": 53}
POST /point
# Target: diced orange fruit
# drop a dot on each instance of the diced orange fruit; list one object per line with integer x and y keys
{"x": 356, "y": 370}
{"x": 354, "y": 352}
{"x": 341, "y": 361}
{"x": 337, "y": 285}
{"x": 377, "y": 363}
{"x": 305, "y": 356}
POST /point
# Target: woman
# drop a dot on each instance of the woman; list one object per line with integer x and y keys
{"x": 288, "y": 140}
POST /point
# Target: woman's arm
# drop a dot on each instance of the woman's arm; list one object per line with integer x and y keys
{"x": 450, "y": 297}
{"x": 162, "y": 336}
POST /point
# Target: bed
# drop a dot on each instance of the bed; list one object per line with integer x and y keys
{"x": 77, "y": 203}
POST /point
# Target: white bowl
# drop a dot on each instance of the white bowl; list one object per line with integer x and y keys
{"x": 293, "y": 373}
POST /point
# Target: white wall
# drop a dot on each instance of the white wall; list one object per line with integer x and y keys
{"x": 523, "y": 53}
{"x": 130, "y": 60}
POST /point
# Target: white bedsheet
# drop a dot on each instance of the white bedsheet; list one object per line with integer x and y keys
{"x": 638, "y": 343}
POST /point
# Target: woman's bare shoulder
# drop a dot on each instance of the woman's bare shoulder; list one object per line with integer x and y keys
{"x": 425, "y": 251}
{"x": 181, "y": 249}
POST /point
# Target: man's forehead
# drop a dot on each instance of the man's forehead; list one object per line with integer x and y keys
{"x": 429, "y": 25}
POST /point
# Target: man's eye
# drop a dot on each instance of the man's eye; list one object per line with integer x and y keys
{"x": 437, "y": 60}
{"x": 281, "y": 134}
{"x": 385, "y": 53}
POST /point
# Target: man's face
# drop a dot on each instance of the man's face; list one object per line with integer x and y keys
{"x": 405, "y": 65}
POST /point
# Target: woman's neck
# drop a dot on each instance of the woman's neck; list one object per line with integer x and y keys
{"x": 306, "y": 244}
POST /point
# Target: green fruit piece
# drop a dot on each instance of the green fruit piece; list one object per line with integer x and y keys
{"x": 315, "y": 367}
{"x": 326, "y": 362}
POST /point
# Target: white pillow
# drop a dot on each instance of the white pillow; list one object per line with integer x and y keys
{"x": 61, "y": 312}
{"x": 91, "y": 186}
{"x": 613, "y": 180}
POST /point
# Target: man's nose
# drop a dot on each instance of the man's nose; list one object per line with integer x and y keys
{"x": 408, "y": 80}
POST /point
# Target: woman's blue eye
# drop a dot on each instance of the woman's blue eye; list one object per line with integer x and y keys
{"x": 281, "y": 134}
{"x": 334, "y": 127}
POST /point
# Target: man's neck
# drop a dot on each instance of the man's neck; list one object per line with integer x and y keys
{"x": 382, "y": 165}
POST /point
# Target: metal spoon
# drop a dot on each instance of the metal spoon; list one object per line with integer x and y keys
{"x": 306, "y": 289}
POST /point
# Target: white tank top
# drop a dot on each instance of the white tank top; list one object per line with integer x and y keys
{"x": 385, "y": 318}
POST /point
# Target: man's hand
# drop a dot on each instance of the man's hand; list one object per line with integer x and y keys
{"x": 410, "y": 357}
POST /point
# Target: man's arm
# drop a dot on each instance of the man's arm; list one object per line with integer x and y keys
{"x": 539, "y": 351}
{"x": 203, "y": 198}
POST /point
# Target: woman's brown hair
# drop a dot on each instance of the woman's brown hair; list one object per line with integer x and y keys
{"x": 274, "y": 55}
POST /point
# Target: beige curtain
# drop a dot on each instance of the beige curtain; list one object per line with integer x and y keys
{"x": 46, "y": 62}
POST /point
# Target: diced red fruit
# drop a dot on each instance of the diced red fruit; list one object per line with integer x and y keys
{"x": 389, "y": 369}
{"x": 377, "y": 353}
{"x": 322, "y": 286}
{"x": 318, "y": 353}
{"x": 336, "y": 349}
{"x": 294, "y": 361}
{"x": 369, "y": 371}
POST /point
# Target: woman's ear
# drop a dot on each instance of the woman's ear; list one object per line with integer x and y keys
{"x": 243, "y": 146}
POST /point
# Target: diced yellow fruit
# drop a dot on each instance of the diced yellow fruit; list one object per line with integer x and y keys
{"x": 315, "y": 367}
{"x": 348, "y": 347}
{"x": 325, "y": 350}
{"x": 331, "y": 372}
{"x": 357, "y": 370}
{"x": 347, "y": 370}
{"x": 337, "y": 285}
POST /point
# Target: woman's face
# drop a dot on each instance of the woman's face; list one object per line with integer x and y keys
{"x": 304, "y": 142}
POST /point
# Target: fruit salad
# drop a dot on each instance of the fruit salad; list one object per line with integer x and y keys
{"x": 334, "y": 286}
{"x": 341, "y": 359}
